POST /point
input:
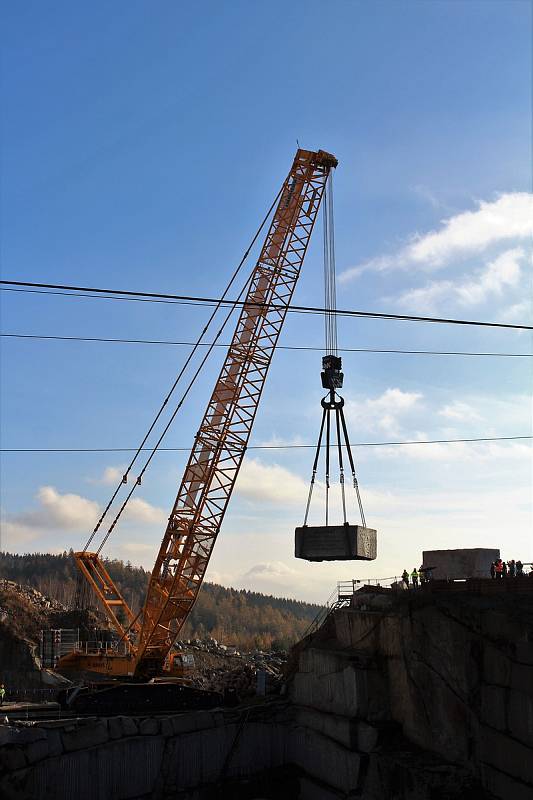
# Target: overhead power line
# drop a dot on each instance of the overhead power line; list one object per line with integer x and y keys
{"x": 259, "y": 446}
{"x": 98, "y": 339}
{"x": 154, "y": 297}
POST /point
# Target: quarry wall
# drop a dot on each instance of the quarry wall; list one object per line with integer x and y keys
{"x": 406, "y": 696}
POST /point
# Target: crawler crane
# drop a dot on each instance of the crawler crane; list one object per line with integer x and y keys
{"x": 218, "y": 448}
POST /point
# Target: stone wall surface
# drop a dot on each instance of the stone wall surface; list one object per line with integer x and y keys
{"x": 459, "y": 672}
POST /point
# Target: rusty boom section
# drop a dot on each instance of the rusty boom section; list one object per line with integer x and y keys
{"x": 225, "y": 429}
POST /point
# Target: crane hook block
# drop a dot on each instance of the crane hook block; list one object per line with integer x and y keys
{"x": 335, "y": 543}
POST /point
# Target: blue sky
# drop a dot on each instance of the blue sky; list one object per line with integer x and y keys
{"x": 142, "y": 144}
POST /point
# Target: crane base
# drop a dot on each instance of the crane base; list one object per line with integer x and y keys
{"x": 335, "y": 543}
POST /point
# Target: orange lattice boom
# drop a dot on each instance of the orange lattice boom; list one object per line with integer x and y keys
{"x": 223, "y": 435}
{"x": 224, "y": 432}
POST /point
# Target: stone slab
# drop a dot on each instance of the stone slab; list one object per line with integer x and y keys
{"x": 335, "y": 543}
{"x": 462, "y": 563}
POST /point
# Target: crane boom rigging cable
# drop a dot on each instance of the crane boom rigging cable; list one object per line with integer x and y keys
{"x": 189, "y": 358}
{"x": 222, "y": 437}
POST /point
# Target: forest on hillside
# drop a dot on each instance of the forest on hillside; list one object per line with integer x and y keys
{"x": 232, "y": 616}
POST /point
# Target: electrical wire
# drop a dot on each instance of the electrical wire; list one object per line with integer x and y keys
{"x": 98, "y": 339}
{"x": 263, "y": 446}
{"x": 152, "y": 297}
{"x": 175, "y": 384}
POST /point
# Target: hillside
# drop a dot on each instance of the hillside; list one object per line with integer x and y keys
{"x": 247, "y": 619}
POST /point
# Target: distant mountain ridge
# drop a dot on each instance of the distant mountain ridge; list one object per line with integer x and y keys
{"x": 236, "y": 616}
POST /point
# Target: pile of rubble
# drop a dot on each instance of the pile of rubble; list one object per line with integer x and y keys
{"x": 222, "y": 668}
{"x": 33, "y": 596}
{"x": 260, "y": 658}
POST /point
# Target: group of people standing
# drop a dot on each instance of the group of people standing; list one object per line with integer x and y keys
{"x": 511, "y": 569}
{"x": 422, "y": 575}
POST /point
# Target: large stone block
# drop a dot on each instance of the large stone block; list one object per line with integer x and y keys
{"x": 463, "y": 563}
{"x": 335, "y": 543}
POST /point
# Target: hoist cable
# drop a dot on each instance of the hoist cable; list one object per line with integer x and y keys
{"x": 197, "y": 344}
{"x": 154, "y": 449}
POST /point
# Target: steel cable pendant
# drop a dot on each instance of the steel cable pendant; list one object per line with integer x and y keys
{"x": 333, "y": 542}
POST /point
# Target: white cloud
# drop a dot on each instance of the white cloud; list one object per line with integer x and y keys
{"x": 382, "y": 413}
{"x": 459, "y": 412}
{"x": 59, "y": 514}
{"x": 138, "y": 510}
{"x": 520, "y": 313}
{"x": 508, "y": 218}
{"x": 270, "y": 570}
{"x": 466, "y": 453}
{"x": 64, "y": 511}
{"x": 502, "y": 273}
{"x": 270, "y": 483}
{"x": 110, "y": 476}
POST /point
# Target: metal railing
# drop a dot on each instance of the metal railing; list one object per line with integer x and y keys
{"x": 103, "y": 648}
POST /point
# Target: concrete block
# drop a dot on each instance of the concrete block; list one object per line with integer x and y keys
{"x": 335, "y": 543}
{"x": 149, "y": 727}
{"x": 471, "y": 562}
{"x": 86, "y": 736}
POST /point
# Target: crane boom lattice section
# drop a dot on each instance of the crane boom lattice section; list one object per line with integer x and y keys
{"x": 224, "y": 432}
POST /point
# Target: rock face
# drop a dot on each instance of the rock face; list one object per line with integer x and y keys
{"x": 402, "y": 696}
{"x": 453, "y": 673}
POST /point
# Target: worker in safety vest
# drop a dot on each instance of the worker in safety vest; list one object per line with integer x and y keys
{"x": 499, "y": 568}
{"x": 414, "y": 578}
{"x": 2, "y": 693}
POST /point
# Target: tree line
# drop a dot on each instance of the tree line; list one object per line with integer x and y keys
{"x": 232, "y": 616}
